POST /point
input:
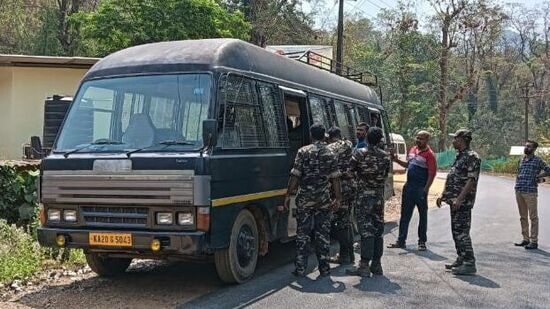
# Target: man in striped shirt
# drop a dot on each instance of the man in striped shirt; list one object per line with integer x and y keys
{"x": 529, "y": 174}
{"x": 421, "y": 168}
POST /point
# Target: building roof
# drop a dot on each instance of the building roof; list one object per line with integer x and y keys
{"x": 211, "y": 54}
{"x": 47, "y": 61}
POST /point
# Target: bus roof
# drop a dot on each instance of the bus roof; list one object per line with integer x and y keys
{"x": 209, "y": 54}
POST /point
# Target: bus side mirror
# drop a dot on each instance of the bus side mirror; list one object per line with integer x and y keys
{"x": 209, "y": 132}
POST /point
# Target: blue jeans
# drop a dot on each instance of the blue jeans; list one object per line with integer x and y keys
{"x": 413, "y": 196}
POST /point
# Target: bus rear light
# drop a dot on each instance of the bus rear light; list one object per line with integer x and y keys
{"x": 203, "y": 219}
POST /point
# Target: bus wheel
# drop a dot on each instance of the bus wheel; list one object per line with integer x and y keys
{"x": 106, "y": 266}
{"x": 237, "y": 263}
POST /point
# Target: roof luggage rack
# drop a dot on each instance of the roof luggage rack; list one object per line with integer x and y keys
{"x": 325, "y": 63}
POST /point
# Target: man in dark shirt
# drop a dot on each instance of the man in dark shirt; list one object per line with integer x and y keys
{"x": 529, "y": 174}
{"x": 361, "y": 134}
{"x": 421, "y": 168}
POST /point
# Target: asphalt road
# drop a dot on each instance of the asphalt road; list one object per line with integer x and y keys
{"x": 508, "y": 276}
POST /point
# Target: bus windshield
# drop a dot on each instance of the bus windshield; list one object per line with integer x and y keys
{"x": 146, "y": 113}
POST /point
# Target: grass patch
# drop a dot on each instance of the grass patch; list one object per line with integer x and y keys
{"x": 20, "y": 255}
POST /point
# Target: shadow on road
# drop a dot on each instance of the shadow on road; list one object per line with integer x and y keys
{"x": 540, "y": 252}
{"x": 380, "y": 284}
{"x": 322, "y": 285}
{"x": 480, "y": 281}
{"x": 427, "y": 254}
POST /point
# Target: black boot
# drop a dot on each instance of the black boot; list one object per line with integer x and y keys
{"x": 362, "y": 270}
{"x": 455, "y": 264}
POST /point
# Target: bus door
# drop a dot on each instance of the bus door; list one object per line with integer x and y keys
{"x": 298, "y": 135}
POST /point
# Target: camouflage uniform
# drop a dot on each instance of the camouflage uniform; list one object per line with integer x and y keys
{"x": 341, "y": 223}
{"x": 315, "y": 166}
{"x": 372, "y": 166}
{"x": 466, "y": 166}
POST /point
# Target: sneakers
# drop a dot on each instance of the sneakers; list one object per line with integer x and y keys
{"x": 400, "y": 245}
{"x": 522, "y": 244}
{"x": 422, "y": 246}
{"x": 455, "y": 264}
{"x": 465, "y": 269}
{"x": 532, "y": 245}
{"x": 376, "y": 268}
{"x": 362, "y": 270}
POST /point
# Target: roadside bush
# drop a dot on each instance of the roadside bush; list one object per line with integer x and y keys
{"x": 510, "y": 165}
{"x": 20, "y": 255}
{"x": 18, "y": 199}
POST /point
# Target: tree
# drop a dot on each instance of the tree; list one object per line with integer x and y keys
{"x": 118, "y": 24}
{"x": 18, "y": 22}
{"x": 275, "y": 21}
{"x": 473, "y": 25}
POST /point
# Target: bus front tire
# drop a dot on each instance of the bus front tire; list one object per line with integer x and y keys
{"x": 237, "y": 263}
{"x": 106, "y": 266}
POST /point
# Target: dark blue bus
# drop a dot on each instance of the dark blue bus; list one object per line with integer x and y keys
{"x": 181, "y": 150}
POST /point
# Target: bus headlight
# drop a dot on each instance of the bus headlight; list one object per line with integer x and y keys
{"x": 185, "y": 218}
{"x": 69, "y": 215}
{"x": 165, "y": 218}
{"x": 54, "y": 215}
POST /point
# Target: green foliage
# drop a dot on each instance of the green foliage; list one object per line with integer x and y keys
{"x": 18, "y": 199}
{"x": 20, "y": 255}
{"x": 119, "y": 24}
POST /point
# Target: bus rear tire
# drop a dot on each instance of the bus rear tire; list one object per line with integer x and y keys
{"x": 106, "y": 266}
{"x": 237, "y": 263}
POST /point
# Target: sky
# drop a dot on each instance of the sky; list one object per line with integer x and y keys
{"x": 370, "y": 8}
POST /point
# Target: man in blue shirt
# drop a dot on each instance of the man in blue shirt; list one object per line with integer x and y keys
{"x": 529, "y": 175}
{"x": 361, "y": 134}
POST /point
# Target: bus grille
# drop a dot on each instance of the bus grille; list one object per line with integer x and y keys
{"x": 128, "y": 217}
{"x": 132, "y": 189}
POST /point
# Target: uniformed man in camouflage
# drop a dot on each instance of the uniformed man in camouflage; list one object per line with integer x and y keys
{"x": 315, "y": 170}
{"x": 372, "y": 166}
{"x": 341, "y": 228}
{"x": 460, "y": 194}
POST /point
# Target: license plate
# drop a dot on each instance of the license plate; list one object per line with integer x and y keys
{"x": 110, "y": 239}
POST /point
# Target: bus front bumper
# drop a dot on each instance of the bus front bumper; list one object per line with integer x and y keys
{"x": 172, "y": 243}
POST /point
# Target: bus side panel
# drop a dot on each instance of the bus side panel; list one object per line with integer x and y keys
{"x": 240, "y": 181}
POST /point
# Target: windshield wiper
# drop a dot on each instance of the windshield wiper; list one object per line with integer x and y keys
{"x": 101, "y": 141}
{"x": 166, "y": 143}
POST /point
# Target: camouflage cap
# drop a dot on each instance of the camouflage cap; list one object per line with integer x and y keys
{"x": 464, "y": 133}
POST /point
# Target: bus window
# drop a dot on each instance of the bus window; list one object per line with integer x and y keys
{"x": 344, "y": 120}
{"x": 362, "y": 113}
{"x": 375, "y": 119}
{"x": 273, "y": 115}
{"x": 242, "y": 120}
{"x": 318, "y": 111}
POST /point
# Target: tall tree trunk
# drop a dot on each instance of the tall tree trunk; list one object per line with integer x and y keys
{"x": 442, "y": 104}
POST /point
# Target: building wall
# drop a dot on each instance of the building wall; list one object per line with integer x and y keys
{"x": 22, "y": 116}
{"x": 5, "y": 109}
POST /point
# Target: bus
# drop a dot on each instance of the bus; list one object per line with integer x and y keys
{"x": 182, "y": 150}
